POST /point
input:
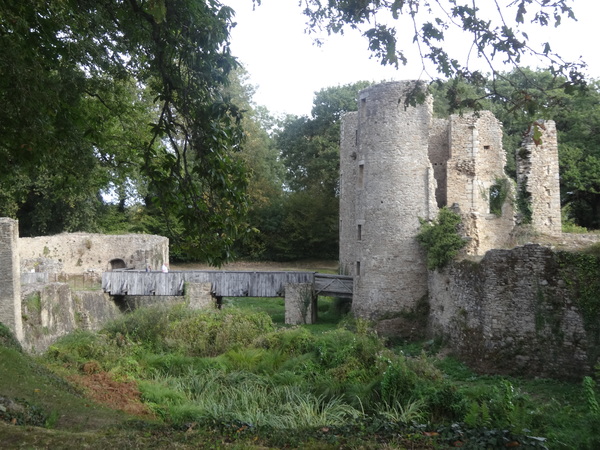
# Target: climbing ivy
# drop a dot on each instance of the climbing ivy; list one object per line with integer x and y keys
{"x": 524, "y": 205}
{"x": 581, "y": 273}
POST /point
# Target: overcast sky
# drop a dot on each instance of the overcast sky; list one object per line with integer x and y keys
{"x": 288, "y": 68}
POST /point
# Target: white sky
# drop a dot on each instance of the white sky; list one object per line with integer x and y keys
{"x": 287, "y": 68}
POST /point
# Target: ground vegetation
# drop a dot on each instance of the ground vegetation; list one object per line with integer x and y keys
{"x": 238, "y": 377}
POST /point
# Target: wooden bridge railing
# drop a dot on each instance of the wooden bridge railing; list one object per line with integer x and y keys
{"x": 224, "y": 283}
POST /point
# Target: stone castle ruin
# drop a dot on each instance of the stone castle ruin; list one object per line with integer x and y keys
{"x": 399, "y": 164}
{"x": 503, "y": 308}
{"x": 50, "y": 285}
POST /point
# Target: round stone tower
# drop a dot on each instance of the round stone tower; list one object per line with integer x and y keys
{"x": 387, "y": 184}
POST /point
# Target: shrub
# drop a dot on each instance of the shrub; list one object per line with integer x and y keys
{"x": 498, "y": 194}
{"x": 440, "y": 238}
{"x": 291, "y": 341}
{"x": 82, "y": 346}
{"x": 211, "y": 333}
{"x": 150, "y": 325}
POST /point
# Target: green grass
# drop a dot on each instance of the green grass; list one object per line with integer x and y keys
{"x": 22, "y": 379}
{"x": 329, "y": 310}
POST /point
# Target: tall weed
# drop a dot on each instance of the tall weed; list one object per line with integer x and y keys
{"x": 253, "y": 400}
{"x": 149, "y": 326}
{"x": 211, "y": 333}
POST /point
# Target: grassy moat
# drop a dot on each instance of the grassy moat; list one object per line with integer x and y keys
{"x": 240, "y": 378}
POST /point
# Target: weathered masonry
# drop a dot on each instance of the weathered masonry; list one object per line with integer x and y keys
{"x": 39, "y": 299}
{"x": 526, "y": 310}
{"x": 91, "y": 253}
{"x": 399, "y": 164}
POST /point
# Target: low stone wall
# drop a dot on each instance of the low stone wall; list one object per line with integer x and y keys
{"x": 53, "y": 310}
{"x": 529, "y": 311}
{"x": 88, "y": 252}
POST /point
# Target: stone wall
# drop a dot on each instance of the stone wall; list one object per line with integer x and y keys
{"x": 439, "y": 154}
{"x": 520, "y": 312}
{"x": 476, "y": 164}
{"x": 10, "y": 284}
{"x": 86, "y": 252}
{"x": 398, "y": 165}
{"x": 538, "y": 176}
{"x": 53, "y": 310}
{"x": 350, "y": 169}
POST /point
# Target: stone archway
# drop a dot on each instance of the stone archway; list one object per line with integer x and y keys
{"x": 117, "y": 263}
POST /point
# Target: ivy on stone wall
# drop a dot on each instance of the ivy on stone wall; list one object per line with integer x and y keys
{"x": 440, "y": 238}
{"x": 581, "y": 273}
{"x": 524, "y": 205}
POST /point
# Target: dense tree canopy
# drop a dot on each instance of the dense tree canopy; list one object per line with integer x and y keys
{"x": 95, "y": 93}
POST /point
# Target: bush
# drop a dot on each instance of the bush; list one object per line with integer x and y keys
{"x": 150, "y": 325}
{"x": 290, "y": 341}
{"x": 440, "y": 238}
{"x": 80, "y": 347}
{"x": 214, "y": 332}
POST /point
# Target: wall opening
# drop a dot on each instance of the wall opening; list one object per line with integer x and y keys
{"x": 117, "y": 263}
{"x": 361, "y": 175}
{"x": 359, "y": 233}
{"x": 498, "y": 195}
{"x": 358, "y": 268}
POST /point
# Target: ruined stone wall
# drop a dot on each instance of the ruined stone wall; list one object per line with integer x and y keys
{"x": 10, "y": 284}
{"x": 518, "y": 311}
{"x": 476, "y": 164}
{"x": 51, "y": 311}
{"x": 538, "y": 176}
{"x": 439, "y": 153}
{"x": 86, "y": 252}
{"x": 394, "y": 187}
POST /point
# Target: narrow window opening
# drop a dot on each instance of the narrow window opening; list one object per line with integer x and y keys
{"x": 486, "y": 147}
{"x": 361, "y": 175}
{"x": 358, "y": 268}
{"x": 360, "y": 232}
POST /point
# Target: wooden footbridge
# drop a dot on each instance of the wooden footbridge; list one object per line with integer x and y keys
{"x": 224, "y": 283}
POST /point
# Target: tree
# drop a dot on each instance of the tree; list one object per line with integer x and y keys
{"x": 310, "y": 146}
{"x": 265, "y": 169}
{"x": 310, "y": 153}
{"x": 75, "y": 74}
{"x": 497, "y": 33}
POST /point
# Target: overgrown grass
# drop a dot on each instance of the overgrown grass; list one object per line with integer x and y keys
{"x": 235, "y": 376}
